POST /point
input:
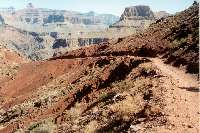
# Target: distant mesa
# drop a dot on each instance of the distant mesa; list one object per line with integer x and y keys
{"x": 91, "y": 13}
{"x": 29, "y": 6}
{"x": 138, "y": 17}
{"x": 140, "y": 11}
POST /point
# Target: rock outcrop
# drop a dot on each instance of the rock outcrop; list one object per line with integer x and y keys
{"x": 77, "y": 42}
{"x": 89, "y": 41}
{"x": 60, "y": 43}
{"x": 137, "y": 17}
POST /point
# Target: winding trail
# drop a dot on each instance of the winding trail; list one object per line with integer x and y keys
{"x": 182, "y": 79}
{"x": 182, "y": 99}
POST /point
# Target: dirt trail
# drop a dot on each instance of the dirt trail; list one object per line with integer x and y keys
{"x": 183, "y": 80}
{"x": 182, "y": 98}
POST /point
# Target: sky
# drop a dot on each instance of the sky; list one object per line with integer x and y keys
{"x": 115, "y": 7}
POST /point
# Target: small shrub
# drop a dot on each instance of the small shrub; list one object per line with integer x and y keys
{"x": 178, "y": 43}
{"x": 33, "y": 126}
{"x": 91, "y": 127}
{"x": 46, "y": 126}
{"x": 128, "y": 106}
{"x": 70, "y": 87}
{"x": 104, "y": 96}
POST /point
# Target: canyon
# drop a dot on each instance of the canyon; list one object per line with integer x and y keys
{"x": 43, "y": 33}
{"x": 143, "y": 82}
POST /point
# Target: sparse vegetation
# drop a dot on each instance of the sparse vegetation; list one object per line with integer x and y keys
{"x": 46, "y": 126}
{"x": 34, "y": 126}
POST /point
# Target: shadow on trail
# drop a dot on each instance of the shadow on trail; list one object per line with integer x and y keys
{"x": 192, "y": 89}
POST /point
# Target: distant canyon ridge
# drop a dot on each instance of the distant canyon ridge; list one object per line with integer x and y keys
{"x": 40, "y": 33}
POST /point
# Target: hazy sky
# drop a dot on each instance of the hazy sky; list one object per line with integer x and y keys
{"x": 101, "y": 6}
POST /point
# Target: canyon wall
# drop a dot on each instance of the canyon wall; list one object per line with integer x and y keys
{"x": 42, "y": 17}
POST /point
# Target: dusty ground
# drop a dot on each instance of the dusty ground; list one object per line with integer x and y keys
{"x": 182, "y": 96}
